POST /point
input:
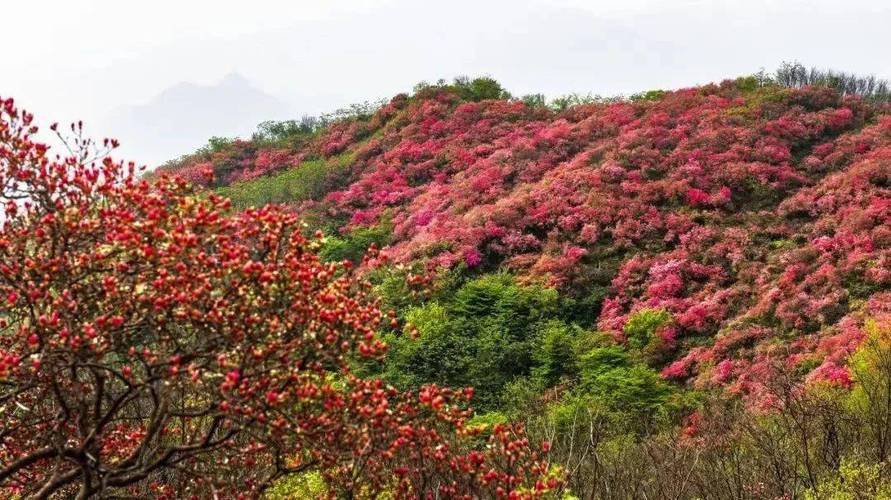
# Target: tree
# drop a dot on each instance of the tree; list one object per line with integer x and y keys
{"x": 155, "y": 343}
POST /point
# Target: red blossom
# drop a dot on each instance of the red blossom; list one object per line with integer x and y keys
{"x": 158, "y": 343}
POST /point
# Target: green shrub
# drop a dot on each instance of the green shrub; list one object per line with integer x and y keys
{"x": 520, "y": 395}
{"x": 562, "y": 103}
{"x": 577, "y": 413}
{"x": 353, "y": 245}
{"x": 483, "y": 335}
{"x": 488, "y": 420}
{"x": 609, "y": 375}
{"x": 641, "y": 327}
{"x": 308, "y": 180}
{"x": 649, "y": 95}
{"x": 391, "y": 285}
{"x": 492, "y": 333}
{"x": 499, "y": 298}
{"x": 584, "y": 309}
{"x": 853, "y": 481}
{"x": 439, "y": 354}
{"x": 479, "y": 89}
{"x": 287, "y": 132}
{"x": 535, "y": 100}
{"x": 215, "y": 144}
{"x": 555, "y": 354}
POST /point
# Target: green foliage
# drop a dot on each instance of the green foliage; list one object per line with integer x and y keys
{"x": 567, "y": 101}
{"x": 610, "y": 376}
{"x": 641, "y": 327}
{"x": 477, "y": 89}
{"x": 520, "y": 395}
{"x": 287, "y": 132}
{"x": 860, "y": 287}
{"x": 584, "y": 309}
{"x": 215, "y": 144}
{"x": 649, "y": 95}
{"x": 390, "y": 284}
{"x": 488, "y": 420}
{"x": 874, "y": 354}
{"x": 440, "y": 354}
{"x": 296, "y": 184}
{"x": 753, "y": 82}
{"x": 535, "y": 100}
{"x": 510, "y": 343}
{"x": 357, "y": 111}
{"x": 871, "y": 371}
{"x": 483, "y": 335}
{"x": 353, "y": 245}
{"x": 498, "y": 296}
{"x": 576, "y": 413}
{"x": 796, "y": 75}
{"x": 555, "y": 355}
{"x": 308, "y": 180}
{"x": 307, "y": 485}
{"x": 853, "y": 481}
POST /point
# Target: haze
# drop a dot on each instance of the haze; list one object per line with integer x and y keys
{"x": 164, "y": 76}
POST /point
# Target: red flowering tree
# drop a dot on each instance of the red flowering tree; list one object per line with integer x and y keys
{"x": 154, "y": 343}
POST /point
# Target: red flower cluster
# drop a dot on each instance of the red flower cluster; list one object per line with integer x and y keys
{"x": 154, "y": 342}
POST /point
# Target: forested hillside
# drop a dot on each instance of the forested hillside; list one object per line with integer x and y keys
{"x": 613, "y": 271}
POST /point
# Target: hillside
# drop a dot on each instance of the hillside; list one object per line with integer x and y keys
{"x": 633, "y": 266}
{"x": 756, "y": 217}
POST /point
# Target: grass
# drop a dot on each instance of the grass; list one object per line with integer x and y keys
{"x": 308, "y": 180}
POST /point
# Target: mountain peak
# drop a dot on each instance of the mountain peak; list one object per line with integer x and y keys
{"x": 235, "y": 79}
{"x": 183, "y": 116}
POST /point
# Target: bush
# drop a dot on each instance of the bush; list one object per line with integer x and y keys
{"x": 355, "y": 244}
{"x": 440, "y": 353}
{"x": 555, "y": 353}
{"x": 473, "y": 90}
{"x": 610, "y": 376}
{"x": 641, "y": 327}
{"x": 287, "y": 132}
{"x": 484, "y": 335}
{"x": 649, "y": 95}
{"x": 479, "y": 89}
{"x": 309, "y": 180}
{"x": 854, "y": 481}
{"x": 534, "y": 100}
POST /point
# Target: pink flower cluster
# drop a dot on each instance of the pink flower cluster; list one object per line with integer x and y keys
{"x": 745, "y": 217}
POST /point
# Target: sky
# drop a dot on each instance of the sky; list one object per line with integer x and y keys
{"x": 164, "y": 76}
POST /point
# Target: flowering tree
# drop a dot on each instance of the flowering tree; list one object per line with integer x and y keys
{"x": 152, "y": 342}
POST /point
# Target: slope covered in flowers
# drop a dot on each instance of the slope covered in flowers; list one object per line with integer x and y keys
{"x": 754, "y": 218}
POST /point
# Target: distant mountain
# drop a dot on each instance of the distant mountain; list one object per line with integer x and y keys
{"x": 184, "y": 116}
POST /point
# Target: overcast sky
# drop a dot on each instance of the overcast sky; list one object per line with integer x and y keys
{"x": 114, "y": 62}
